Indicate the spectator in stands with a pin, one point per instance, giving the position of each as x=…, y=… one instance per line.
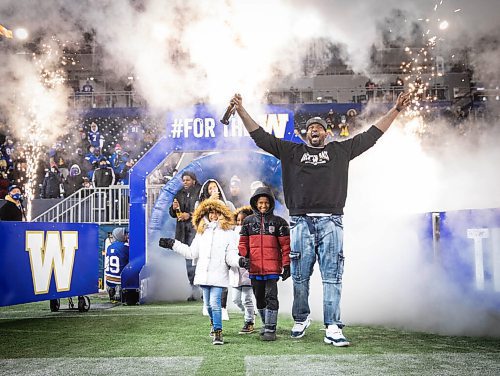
x=182, y=209
x=94, y=167
x=87, y=87
x=352, y=118
x=333, y=117
x=344, y=126
x=118, y=160
x=128, y=89
x=133, y=138
x=4, y=183
x=83, y=138
x=3, y=162
x=135, y=131
x=13, y=209
x=18, y=174
x=370, y=89
x=316, y=213
x=117, y=257
x=87, y=183
x=235, y=194
x=87, y=93
x=74, y=181
x=52, y=182
x=95, y=138
x=93, y=156
x=330, y=130
x=104, y=176
x=58, y=158
x=8, y=152
x=124, y=176
x=215, y=249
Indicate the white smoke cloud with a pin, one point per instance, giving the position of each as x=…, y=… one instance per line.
x=184, y=51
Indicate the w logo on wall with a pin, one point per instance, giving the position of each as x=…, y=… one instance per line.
x=51, y=253
x=43, y=261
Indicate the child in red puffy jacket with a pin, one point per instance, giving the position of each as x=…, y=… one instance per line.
x=265, y=245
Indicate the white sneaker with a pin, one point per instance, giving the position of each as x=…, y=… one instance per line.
x=225, y=315
x=335, y=337
x=299, y=328
x=204, y=310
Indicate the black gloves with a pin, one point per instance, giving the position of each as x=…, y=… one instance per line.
x=166, y=242
x=286, y=273
x=244, y=262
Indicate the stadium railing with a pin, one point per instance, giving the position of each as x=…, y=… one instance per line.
x=108, y=205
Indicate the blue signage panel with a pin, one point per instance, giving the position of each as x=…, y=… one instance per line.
x=200, y=129
x=42, y=261
x=470, y=248
x=469, y=252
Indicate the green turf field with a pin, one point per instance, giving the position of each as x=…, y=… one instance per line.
x=173, y=339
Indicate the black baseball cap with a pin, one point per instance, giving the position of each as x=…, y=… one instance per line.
x=316, y=120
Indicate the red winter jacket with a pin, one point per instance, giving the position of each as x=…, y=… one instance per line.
x=265, y=238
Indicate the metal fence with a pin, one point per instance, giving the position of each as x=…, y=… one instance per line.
x=108, y=205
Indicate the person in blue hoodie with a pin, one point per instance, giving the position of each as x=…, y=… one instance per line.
x=117, y=256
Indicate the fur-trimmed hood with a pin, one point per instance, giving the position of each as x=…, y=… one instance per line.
x=247, y=209
x=200, y=215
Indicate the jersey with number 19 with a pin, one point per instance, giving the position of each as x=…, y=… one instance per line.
x=116, y=260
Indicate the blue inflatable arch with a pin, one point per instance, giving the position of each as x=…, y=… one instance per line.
x=235, y=153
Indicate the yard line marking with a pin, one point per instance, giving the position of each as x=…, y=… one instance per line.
x=178, y=366
x=446, y=364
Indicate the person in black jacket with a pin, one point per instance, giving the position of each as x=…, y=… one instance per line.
x=13, y=209
x=104, y=176
x=316, y=209
x=74, y=181
x=51, y=186
x=182, y=208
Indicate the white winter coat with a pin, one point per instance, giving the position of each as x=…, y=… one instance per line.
x=216, y=250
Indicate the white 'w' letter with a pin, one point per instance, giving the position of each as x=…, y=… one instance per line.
x=55, y=251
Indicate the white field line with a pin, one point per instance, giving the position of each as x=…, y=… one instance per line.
x=178, y=366
x=443, y=364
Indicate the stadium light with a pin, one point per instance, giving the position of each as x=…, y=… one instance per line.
x=21, y=33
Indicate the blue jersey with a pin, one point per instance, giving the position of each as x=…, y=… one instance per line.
x=96, y=139
x=116, y=260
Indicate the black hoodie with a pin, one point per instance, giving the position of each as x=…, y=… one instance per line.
x=315, y=179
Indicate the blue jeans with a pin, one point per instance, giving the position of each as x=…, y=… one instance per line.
x=212, y=300
x=318, y=238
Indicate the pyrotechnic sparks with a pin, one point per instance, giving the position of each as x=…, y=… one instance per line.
x=420, y=69
x=39, y=111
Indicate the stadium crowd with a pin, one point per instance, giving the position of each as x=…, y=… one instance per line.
x=94, y=152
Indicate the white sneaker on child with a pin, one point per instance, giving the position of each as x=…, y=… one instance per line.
x=225, y=315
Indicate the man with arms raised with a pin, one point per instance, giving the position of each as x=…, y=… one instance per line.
x=316, y=210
